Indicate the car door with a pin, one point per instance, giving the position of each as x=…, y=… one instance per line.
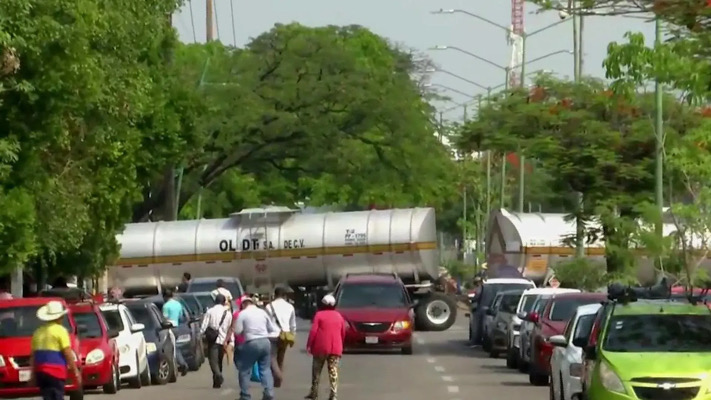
x=560, y=359
x=167, y=345
x=137, y=338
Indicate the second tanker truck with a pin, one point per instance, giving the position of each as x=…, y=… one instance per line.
x=265, y=247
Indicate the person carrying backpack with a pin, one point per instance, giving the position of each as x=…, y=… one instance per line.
x=215, y=324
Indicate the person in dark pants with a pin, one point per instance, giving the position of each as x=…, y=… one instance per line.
x=52, y=358
x=215, y=324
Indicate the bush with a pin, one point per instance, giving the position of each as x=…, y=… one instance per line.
x=581, y=273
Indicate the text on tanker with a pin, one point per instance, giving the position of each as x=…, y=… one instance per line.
x=257, y=244
x=352, y=238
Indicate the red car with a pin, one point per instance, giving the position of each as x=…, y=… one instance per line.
x=18, y=321
x=97, y=348
x=378, y=312
x=559, y=309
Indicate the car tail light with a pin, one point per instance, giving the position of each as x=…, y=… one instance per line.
x=402, y=325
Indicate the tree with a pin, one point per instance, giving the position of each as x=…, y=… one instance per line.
x=341, y=93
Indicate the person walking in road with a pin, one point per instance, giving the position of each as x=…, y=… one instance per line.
x=325, y=344
x=215, y=325
x=220, y=289
x=284, y=317
x=256, y=327
x=172, y=310
x=52, y=357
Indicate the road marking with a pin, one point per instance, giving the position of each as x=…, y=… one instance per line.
x=226, y=392
x=420, y=340
x=447, y=378
x=431, y=360
x=439, y=368
x=453, y=389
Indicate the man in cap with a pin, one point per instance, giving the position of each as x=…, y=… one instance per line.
x=215, y=325
x=52, y=356
x=256, y=327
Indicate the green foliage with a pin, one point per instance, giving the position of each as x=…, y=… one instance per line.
x=581, y=273
x=459, y=270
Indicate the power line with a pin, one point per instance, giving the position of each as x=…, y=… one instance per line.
x=232, y=14
x=192, y=20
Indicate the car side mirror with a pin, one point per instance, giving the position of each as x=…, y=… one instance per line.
x=580, y=342
x=590, y=352
x=522, y=315
x=533, y=317
x=137, y=328
x=166, y=324
x=558, y=341
x=112, y=333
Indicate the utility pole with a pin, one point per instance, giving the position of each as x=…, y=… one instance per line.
x=659, y=136
x=502, y=194
x=209, y=15
x=521, y=156
x=577, y=55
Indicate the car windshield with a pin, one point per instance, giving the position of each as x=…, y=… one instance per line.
x=22, y=321
x=142, y=316
x=209, y=286
x=584, y=326
x=528, y=302
x=193, y=304
x=492, y=289
x=659, y=333
x=380, y=295
x=88, y=325
x=563, y=309
x=113, y=319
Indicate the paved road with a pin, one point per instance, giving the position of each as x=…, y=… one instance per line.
x=442, y=368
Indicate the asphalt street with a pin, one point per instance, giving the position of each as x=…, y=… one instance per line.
x=443, y=367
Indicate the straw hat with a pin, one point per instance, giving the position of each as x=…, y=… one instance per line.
x=51, y=311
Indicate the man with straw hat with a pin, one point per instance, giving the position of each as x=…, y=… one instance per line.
x=52, y=356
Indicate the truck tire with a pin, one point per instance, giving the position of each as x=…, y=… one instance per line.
x=435, y=312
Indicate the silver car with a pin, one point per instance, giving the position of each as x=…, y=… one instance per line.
x=489, y=317
x=524, y=355
x=506, y=312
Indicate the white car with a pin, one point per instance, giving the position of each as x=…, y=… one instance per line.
x=133, y=351
x=518, y=356
x=566, y=361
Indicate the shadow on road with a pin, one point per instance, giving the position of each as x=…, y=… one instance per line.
x=500, y=369
x=453, y=347
x=515, y=384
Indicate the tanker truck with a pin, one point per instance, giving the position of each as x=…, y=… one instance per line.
x=265, y=247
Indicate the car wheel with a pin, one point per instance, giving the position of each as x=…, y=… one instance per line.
x=536, y=379
x=136, y=382
x=76, y=395
x=193, y=364
x=407, y=350
x=486, y=343
x=512, y=359
x=112, y=386
x=173, y=374
x=146, y=376
x=162, y=376
x=493, y=353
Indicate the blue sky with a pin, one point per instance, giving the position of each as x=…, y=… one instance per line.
x=410, y=23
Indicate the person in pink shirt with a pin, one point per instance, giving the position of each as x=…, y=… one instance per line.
x=325, y=344
x=236, y=339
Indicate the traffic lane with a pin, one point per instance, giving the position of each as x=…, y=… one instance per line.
x=469, y=371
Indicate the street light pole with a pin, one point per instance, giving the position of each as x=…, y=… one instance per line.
x=521, y=156
x=659, y=136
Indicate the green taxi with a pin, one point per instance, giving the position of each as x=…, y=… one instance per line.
x=649, y=350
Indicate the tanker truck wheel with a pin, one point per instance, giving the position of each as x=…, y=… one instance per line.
x=435, y=312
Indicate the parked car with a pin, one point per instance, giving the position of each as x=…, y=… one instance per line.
x=133, y=360
x=488, y=324
x=525, y=305
x=208, y=284
x=566, y=361
x=485, y=299
x=648, y=349
x=378, y=312
x=505, y=312
x=205, y=299
x=187, y=334
x=98, y=348
x=18, y=322
x=524, y=355
x=160, y=344
x=559, y=309
x=194, y=305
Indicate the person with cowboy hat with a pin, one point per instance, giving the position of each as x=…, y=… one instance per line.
x=52, y=356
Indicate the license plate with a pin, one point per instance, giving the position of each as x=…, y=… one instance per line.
x=371, y=339
x=24, y=375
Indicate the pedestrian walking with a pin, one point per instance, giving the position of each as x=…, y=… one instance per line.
x=325, y=344
x=52, y=361
x=214, y=329
x=220, y=289
x=256, y=326
x=234, y=340
x=172, y=310
x=284, y=317
x=185, y=282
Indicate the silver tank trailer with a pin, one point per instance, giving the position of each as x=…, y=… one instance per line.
x=276, y=245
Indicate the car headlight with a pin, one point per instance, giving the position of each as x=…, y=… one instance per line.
x=151, y=347
x=2, y=362
x=609, y=379
x=95, y=356
x=124, y=349
x=576, y=370
x=401, y=325
x=183, y=339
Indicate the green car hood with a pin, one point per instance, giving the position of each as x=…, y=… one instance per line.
x=634, y=365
